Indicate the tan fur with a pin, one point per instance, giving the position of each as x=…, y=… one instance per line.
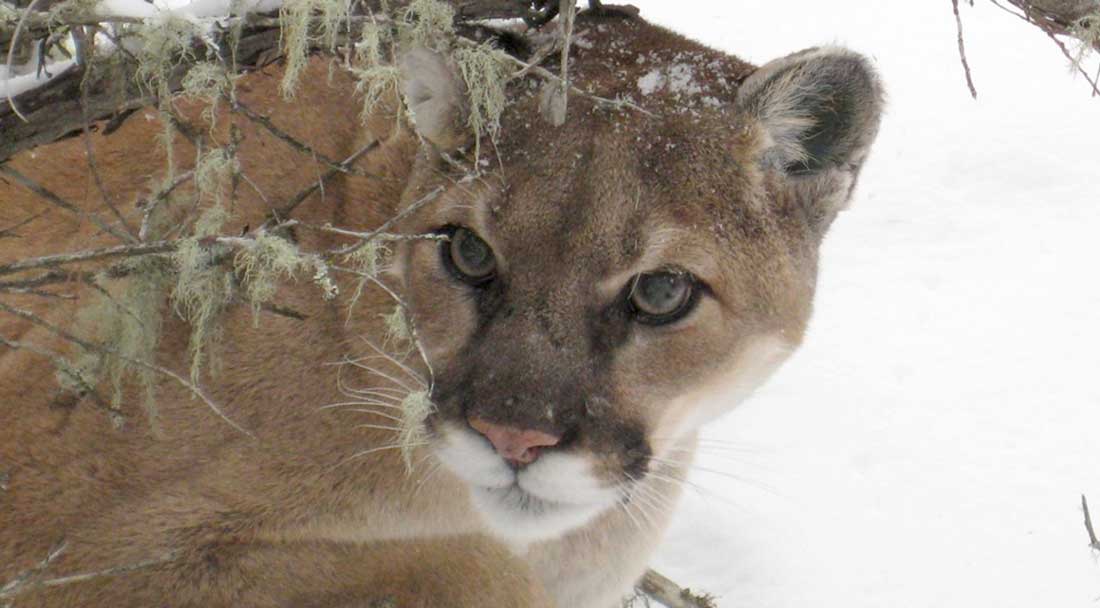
x=292, y=516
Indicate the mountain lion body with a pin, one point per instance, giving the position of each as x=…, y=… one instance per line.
x=593, y=288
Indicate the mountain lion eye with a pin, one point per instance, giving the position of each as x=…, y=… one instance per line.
x=468, y=257
x=662, y=297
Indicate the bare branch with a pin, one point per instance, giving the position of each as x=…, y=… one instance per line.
x=9, y=232
x=1093, y=542
x=413, y=208
x=300, y=146
x=61, y=259
x=664, y=590
x=88, y=345
x=962, y=50
x=27, y=581
x=57, y=201
x=299, y=198
x=64, y=367
x=87, y=49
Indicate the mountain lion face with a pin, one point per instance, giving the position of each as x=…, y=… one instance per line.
x=609, y=285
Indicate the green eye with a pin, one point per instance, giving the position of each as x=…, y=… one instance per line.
x=469, y=257
x=662, y=297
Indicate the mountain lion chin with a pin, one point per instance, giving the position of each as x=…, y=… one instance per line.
x=519, y=517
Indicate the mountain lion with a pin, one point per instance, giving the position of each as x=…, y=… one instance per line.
x=582, y=299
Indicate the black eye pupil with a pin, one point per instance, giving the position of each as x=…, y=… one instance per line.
x=473, y=251
x=661, y=292
x=468, y=257
x=661, y=297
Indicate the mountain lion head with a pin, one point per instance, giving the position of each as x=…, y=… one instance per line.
x=603, y=281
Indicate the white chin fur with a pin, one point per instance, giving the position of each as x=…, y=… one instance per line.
x=555, y=494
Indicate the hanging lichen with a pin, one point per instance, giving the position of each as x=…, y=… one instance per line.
x=415, y=409
x=1087, y=32
x=261, y=264
x=161, y=47
x=367, y=261
x=486, y=71
x=207, y=82
x=294, y=18
x=297, y=37
x=427, y=23
x=126, y=322
x=204, y=288
x=397, y=327
x=213, y=173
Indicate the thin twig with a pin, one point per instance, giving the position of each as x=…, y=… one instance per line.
x=614, y=104
x=10, y=230
x=413, y=208
x=373, y=234
x=664, y=590
x=567, y=11
x=962, y=50
x=64, y=367
x=11, y=56
x=149, y=206
x=30, y=584
x=87, y=345
x=87, y=49
x=299, y=198
x=61, y=259
x=1093, y=542
x=298, y=145
x=57, y=201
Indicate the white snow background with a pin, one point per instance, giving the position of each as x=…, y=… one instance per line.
x=928, y=445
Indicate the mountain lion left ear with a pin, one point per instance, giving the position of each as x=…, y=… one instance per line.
x=819, y=111
x=435, y=95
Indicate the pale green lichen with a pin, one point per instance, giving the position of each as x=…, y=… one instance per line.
x=207, y=82
x=262, y=263
x=367, y=261
x=397, y=327
x=375, y=84
x=1087, y=32
x=127, y=323
x=415, y=409
x=427, y=23
x=294, y=18
x=203, y=290
x=161, y=47
x=486, y=71
x=213, y=173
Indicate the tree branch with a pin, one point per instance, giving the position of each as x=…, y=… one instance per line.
x=962, y=49
x=662, y=589
x=92, y=346
x=1093, y=542
x=57, y=201
x=28, y=581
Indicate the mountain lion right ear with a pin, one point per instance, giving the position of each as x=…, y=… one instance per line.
x=435, y=95
x=819, y=112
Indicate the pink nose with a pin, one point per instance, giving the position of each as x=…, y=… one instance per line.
x=518, y=446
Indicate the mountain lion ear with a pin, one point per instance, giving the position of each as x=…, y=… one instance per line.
x=819, y=112
x=435, y=95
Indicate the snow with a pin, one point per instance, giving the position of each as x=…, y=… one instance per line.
x=928, y=445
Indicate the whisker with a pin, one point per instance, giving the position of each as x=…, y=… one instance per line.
x=392, y=446
x=380, y=427
x=408, y=370
x=382, y=374
x=377, y=413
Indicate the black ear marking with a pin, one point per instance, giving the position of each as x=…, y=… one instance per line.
x=819, y=109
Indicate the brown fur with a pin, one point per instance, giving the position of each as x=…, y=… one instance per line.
x=290, y=518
